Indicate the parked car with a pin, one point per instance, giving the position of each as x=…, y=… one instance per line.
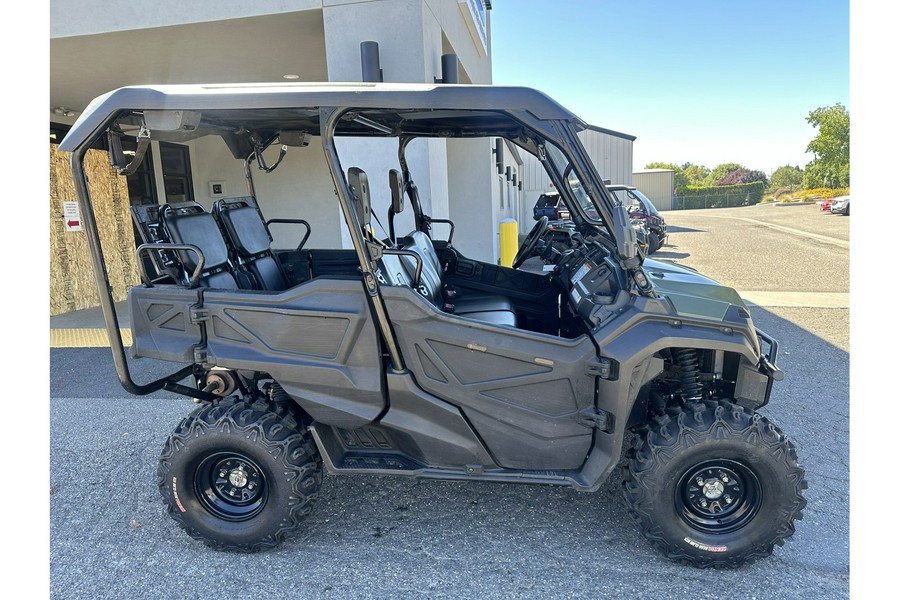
x=840, y=205
x=641, y=208
x=551, y=206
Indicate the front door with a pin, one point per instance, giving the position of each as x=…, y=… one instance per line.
x=522, y=391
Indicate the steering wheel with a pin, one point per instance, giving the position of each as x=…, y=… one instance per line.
x=531, y=240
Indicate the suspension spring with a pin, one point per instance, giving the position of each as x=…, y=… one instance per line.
x=689, y=362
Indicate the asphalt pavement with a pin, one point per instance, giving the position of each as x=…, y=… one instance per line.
x=376, y=537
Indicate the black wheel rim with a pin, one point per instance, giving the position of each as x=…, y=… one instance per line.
x=718, y=496
x=231, y=486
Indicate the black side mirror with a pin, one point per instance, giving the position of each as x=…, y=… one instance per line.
x=626, y=237
x=396, y=182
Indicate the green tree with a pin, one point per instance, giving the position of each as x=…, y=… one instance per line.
x=743, y=176
x=786, y=177
x=695, y=174
x=720, y=172
x=831, y=148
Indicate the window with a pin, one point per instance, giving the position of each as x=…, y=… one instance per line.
x=176, y=170
x=141, y=183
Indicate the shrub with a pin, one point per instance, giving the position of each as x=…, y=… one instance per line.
x=743, y=176
x=822, y=193
x=723, y=196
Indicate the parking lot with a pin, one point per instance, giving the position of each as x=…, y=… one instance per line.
x=373, y=537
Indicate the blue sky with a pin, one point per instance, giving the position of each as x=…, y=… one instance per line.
x=705, y=82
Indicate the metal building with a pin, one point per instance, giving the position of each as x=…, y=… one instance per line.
x=658, y=185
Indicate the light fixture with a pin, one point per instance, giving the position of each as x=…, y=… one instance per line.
x=291, y=76
x=63, y=111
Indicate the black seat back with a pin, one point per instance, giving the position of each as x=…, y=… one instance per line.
x=188, y=223
x=246, y=231
x=430, y=285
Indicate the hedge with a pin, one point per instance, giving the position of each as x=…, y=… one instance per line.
x=721, y=196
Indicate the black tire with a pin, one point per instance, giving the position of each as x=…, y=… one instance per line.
x=654, y=243
x=752, y=490
x=240, y=475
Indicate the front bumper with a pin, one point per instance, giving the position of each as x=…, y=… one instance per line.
x=767, y=359
x=753, y=387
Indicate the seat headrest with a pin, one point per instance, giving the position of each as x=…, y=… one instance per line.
x=246, y=230
x=359, y=188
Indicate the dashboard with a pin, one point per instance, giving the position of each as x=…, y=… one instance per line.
x=594, y=282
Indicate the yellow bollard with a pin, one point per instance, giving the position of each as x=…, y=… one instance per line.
x=509, y=241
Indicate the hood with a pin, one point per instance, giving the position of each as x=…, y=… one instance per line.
x=691, y=294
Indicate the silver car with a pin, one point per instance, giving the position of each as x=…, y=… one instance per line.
x=840, y=205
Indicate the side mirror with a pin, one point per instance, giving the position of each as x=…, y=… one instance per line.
x=626, y=236
x=396, y=182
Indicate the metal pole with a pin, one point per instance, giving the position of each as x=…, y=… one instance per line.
x=371, y=63
x=449, y=68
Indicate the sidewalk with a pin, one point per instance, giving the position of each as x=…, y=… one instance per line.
x=87, y=329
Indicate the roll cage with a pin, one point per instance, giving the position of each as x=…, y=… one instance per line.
x=249, y=119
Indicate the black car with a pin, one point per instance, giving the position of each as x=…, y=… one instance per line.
x=641, y=208
x=549, y=205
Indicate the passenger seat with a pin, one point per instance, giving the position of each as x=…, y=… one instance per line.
x=246, y=232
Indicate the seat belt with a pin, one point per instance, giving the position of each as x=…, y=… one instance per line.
x=115, y=150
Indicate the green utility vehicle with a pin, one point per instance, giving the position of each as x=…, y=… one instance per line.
x=400, y=354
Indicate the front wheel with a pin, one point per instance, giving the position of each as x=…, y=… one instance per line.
x=240, y=475
x=655, y=242
x=714, y=485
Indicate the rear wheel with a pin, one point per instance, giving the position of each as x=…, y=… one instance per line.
x=714, y=485
x=240, y=475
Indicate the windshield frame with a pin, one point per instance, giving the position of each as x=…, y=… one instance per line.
x=572, y=158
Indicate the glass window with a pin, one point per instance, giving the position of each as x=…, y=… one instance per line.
x=176, y=168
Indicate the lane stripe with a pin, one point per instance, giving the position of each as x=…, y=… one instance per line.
x=797, y=299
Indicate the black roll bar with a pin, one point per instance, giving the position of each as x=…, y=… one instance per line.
x=107, y=306
x=295, y=222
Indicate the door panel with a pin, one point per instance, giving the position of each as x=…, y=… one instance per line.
x=522, y=391
x=317, y=340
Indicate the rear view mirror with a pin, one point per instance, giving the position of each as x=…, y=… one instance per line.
x=396, y=182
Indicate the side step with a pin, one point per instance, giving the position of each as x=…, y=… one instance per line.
x=368, y=451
